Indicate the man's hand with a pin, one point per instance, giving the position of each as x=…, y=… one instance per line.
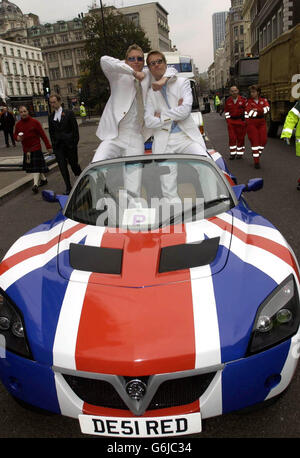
x=157, y=114
x=287, y=141
x=180, y=102
x=49, y=150
x=139, y=75
x=158, y=85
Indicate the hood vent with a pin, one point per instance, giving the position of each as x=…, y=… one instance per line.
x=186, y=256
x=96, y=259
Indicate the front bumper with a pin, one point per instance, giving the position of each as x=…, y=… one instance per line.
x=234, y=386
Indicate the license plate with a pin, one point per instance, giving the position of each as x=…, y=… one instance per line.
x=141, y=427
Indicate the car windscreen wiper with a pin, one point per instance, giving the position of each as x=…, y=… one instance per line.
x=218, y=200
x=193, y=210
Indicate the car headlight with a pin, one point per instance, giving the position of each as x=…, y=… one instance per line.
x=277, y=318
x=12, y=328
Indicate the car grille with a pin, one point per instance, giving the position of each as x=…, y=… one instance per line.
x=171, y=393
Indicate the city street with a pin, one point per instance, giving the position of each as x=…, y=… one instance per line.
x=279, y=202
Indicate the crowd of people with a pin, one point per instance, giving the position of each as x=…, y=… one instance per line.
x=152, y=101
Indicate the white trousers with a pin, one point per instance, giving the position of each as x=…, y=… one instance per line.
x=128, y=143
x=178, y=143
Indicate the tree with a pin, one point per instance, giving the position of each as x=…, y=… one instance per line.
x=114, y=40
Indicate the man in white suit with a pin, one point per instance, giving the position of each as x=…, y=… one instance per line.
x=168, y=114
x=121, y=128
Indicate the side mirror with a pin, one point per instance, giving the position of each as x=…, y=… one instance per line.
x=255, y=184
x=50, y=196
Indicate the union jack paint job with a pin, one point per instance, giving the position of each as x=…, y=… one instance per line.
x=141, y=323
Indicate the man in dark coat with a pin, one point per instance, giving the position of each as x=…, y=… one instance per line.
x=7, y=124
x=64, y=134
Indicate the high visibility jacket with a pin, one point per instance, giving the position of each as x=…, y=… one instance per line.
x=292, y=121
x=82, y=111
x=217, y=100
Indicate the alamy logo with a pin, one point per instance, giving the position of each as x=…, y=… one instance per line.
x=296, y=87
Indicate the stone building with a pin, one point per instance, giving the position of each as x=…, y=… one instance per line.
x=62, y=43
x=268, y=20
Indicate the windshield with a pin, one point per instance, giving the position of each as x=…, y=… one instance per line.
x=149, y=194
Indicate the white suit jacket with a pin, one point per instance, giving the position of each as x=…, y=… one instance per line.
x=123, y=92
x=177, y=88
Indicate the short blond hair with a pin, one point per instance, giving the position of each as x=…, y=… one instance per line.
x=133, y=47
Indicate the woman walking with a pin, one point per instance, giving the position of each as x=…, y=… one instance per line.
x=30, y=132
x=256, y=109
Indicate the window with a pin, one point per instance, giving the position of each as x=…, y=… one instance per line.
x=279, y=22
x=52, y=57
x=21, y=70
x=29, y=70
x=274, y=28
x=54, y=73
x=80, y=52
x=4, y=51
x=18, y=87
x=19, y=52
x=70, y=88
x=25, y=90
x=11, y=87
x=67, y=54
x=7, y=68
x=64, y=38
x=68, y=71
x=15, y=68
x=12, y=51
x=50, y=41
x=269, y=33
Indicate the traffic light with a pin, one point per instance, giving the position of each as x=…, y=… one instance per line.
x=46, y=86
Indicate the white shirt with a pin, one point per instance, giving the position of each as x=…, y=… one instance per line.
x=57, y=115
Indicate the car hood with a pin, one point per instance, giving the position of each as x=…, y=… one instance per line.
x=140, y=259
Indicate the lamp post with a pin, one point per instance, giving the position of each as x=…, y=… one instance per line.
x=103, y=23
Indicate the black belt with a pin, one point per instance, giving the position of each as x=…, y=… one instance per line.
x=237, y=117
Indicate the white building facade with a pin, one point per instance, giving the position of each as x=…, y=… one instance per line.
x=24, y=69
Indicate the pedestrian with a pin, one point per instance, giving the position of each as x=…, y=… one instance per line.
x=7, y=123
x=235, y=107
x=168, y=113
x=82, y=111
x=256, y=109
x=30, y=132
x=217, y=103
x=292, y=122
x=64, y=134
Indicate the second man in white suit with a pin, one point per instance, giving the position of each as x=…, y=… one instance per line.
x=168, y=114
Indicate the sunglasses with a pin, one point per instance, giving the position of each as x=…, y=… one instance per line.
x=134, y=59
x=154, y=62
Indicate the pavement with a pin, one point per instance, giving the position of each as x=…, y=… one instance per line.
x=12, y=178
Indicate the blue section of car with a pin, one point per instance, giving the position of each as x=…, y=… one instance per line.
x=239, y=290
x=29, y=381
x=248, y=381
x=39, y=295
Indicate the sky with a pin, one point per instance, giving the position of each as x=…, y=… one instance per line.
x=190, y=21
